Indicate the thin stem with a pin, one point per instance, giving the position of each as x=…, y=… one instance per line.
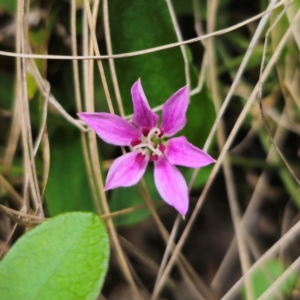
x=223, y=153
x=146, y=51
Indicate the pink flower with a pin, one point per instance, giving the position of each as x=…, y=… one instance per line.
x=148, y=143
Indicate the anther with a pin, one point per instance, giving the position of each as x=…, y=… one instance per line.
x=153, y=157
x=161, y=133
x=162, y=147
x=135, y=142
x=145, y=131
x=139, y=158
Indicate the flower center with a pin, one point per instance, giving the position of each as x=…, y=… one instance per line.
x=151, y=143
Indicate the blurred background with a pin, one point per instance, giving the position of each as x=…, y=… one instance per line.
x=239, y=207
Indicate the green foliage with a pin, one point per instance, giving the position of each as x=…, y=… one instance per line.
x=183, y=7
x=9, y=6
x=63, y=258
x=68, y=187
x=263, y=278
x=137, y=25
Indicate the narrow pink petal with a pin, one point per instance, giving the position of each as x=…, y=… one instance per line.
x=111, y=128
x=171, y=185
x=143, y=116
x=126, y=170
x=173, y=112
x=182, y=153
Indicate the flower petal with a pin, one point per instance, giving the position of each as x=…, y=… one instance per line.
x=171, y=185
x=143, y=116
x=126, y=170
x=112, y=128
x=173, y=112
x=182, y=153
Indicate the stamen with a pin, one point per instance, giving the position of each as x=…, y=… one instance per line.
x=135, y=142
x=151, y=133
x=161, y=133
x=155, y=150
x=139, y=158
x=145, y=131
x=162, y=147
x=153, y=157
x=141, y=145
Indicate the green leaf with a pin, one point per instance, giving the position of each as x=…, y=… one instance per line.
x=137, y=25
x=263, y=278
x=162, y=73
x=63, y=258
x=68, y=187
x=183, y=7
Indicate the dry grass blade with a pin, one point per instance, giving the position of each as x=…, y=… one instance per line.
x=97, y=51
x=146, y=51
x=21, y=218
x=180, y=39
x=247, y=222
x=14, y=196
x=285, y=241
x=276, y=286
x=235, y=82
x=46, y=160
x=44, y=87
x=263, y=179
x=259, y=95
x=111, y=61
x=228, y=174
x=123, y=262
x=79, y=107
x=75, y=62
x=44, y=120
x=165, y=257
x=223, y=153
x=143, y=258
x=190, y=276
x=30, y=169
x=14, y=134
